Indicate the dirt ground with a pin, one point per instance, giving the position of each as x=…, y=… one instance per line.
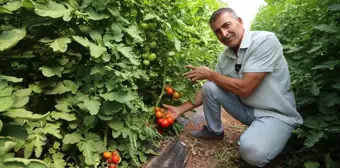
x=219, y=154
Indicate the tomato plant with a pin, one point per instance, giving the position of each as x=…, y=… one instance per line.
x=88, y=84
x=311, y=48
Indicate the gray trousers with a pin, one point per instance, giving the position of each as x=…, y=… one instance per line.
x=265, y=137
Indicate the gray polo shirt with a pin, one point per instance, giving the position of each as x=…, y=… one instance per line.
x=261, y=51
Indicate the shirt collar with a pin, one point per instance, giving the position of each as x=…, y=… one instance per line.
x=246, y=39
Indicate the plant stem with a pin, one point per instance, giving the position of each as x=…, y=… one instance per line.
x=163, y=85
x=105, y=135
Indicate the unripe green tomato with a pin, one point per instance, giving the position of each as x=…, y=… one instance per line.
x=152, y=57
x=146, y=62
x=153, y=44
x=144, y=26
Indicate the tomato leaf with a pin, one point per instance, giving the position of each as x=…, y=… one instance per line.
x=93, y=106
x=60, y=44
x=10, y=38
x=6, y=103
x=127, y=52
x=72, y=138
x=134, y=32
x=121, y=96
x=63, y=115
x=51, y=9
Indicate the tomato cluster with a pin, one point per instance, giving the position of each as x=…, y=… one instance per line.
x=149, y=55
x=163, y=117
x=112, y=158
x=172, y=92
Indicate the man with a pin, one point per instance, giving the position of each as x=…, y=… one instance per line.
x=252, y=83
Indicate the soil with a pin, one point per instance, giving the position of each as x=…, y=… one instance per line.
x=218, y=154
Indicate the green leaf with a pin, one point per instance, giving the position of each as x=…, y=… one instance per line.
x=117, y=33
x=330, y=99
x=116, y=124
x=314, y=89
x=10, y=38
x=96, y=50
x=6, y=103
x=6, y=144
x=6, y=92
x=134, y=32
x=24, y=163
x=95, y=35
x=63, y=115
x=73, y=138
x=336, y=86
x=81, y=40
x=334, y=7
x=28, y=149
x=328, y=161
x=177, y=44
x=20, y=101
x=60, y=44
x=327, y=65
x=312, y=138
x=149, y=16
x=73, y=87
x=10, y=79
x=51, y=9
x=311, y=164
x=49, y=72
x=23, y=92
x=120, y=96
x=1, y=125
x=52, y=129
x=116, y=134
x=88, y=148
x=109, y=108
x=92, y=105
x=330, y=28
x=89, y=121
x=36, y=88
x=92, y=15
x=60, y=88
x=58, y=161
x=24, y=114
x=127, y=52
x=13, y=5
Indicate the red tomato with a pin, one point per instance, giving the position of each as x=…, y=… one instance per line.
x=115, y=159
x=169, y=91
x=107, y=155
x=159, y=131
x=164, y=123
x=160, y=121
x=170, y=120
x=113, y=166
x=159, y=114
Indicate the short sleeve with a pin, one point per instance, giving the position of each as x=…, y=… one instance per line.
x=218, y=68
x=264, y=55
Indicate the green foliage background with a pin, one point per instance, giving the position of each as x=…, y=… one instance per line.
x=73, y=83
x=310, y=34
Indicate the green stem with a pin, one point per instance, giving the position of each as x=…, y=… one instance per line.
x=105, y=135
x=163, y=85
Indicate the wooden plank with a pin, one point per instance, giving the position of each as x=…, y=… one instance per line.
x=175, y=154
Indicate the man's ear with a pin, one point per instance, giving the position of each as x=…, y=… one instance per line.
x=239, y=19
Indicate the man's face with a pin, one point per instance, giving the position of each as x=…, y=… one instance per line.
x=228, y=30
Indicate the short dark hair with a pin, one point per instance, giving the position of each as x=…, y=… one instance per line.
x=221, y=11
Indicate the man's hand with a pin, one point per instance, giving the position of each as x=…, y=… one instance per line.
x=198, y=73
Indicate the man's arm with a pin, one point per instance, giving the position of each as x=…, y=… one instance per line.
x=241, y=87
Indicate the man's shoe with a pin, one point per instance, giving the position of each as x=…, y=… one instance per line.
x=206, y=134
